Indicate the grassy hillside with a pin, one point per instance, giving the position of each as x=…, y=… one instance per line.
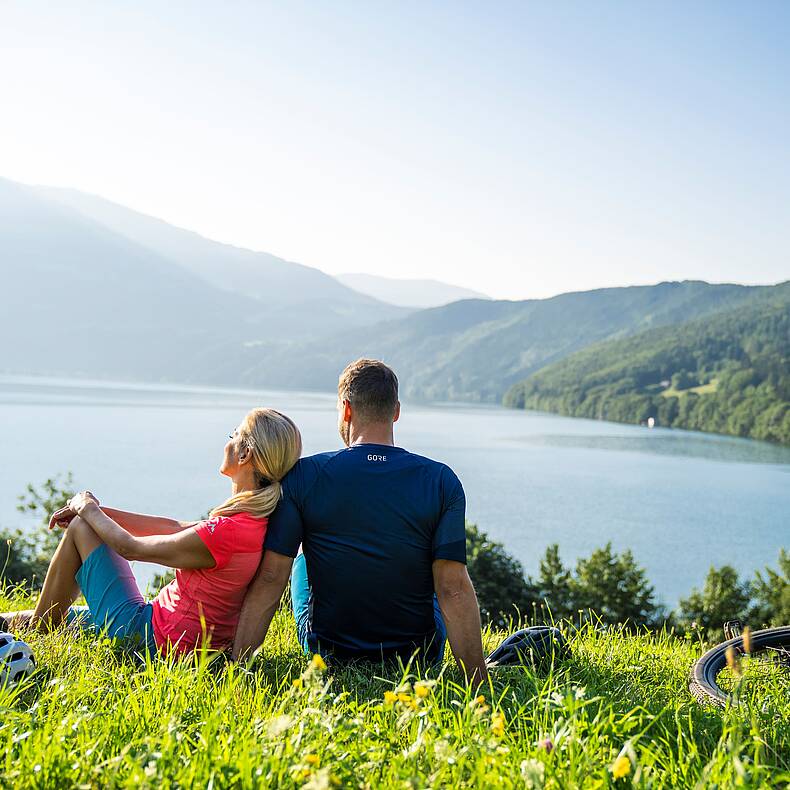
x=619, y=707
x=475, y=350
x=729, y=373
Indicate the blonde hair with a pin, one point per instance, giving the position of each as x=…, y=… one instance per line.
x=275, y=444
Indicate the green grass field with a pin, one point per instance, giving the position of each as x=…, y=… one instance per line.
x=702, y=389
x=616, y=714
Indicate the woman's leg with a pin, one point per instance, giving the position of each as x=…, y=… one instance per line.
x=60, y=588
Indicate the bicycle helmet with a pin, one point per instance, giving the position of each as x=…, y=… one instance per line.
x=16, y=660
x=534, y=645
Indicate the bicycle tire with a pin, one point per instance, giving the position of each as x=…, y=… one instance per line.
x=705, y=671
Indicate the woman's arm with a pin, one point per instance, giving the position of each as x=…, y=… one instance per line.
x=134, y=523
x=183, y=549
x=139, y=524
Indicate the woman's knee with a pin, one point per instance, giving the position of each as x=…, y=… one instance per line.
x=83, y=535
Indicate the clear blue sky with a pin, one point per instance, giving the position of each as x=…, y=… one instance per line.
x=521, y=149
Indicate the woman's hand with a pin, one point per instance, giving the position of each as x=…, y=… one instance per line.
x=63, y=517
x=81, y=501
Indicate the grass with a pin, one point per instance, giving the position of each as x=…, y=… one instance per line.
x=702, y=389
x=93, y=716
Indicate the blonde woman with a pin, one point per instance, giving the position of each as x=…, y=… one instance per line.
x=215, y=559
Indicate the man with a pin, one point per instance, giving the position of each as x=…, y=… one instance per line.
x=382, y=530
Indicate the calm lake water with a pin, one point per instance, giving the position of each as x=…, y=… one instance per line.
x=681, y=501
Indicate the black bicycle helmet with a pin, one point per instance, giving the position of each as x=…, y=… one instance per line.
x=536, y=645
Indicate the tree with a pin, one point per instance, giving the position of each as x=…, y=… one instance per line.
x=503, y=592
x=29, y=551
x=771, y=595
x=682, y=380
x=723, y=597
x=553, y=585
x=615, y=588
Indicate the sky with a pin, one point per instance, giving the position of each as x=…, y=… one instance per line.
x=519, y=149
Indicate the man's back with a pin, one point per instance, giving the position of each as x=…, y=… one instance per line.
x=372, y=519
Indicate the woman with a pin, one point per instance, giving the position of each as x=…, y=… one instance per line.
x=215, y=559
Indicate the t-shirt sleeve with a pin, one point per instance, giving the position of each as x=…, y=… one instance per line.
x=218, y=534
x=449, y=539
x=284, y=534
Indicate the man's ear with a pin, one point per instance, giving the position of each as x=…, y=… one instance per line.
x=346, y=411
x=397, y=412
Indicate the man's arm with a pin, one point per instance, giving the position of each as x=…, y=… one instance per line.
x=260, y=603
x=461, y=614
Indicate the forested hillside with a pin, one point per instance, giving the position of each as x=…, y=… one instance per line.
x=729, y=373
x=476, y=350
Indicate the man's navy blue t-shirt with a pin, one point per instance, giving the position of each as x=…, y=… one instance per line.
x=371, y=519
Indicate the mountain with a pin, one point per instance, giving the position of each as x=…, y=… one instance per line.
x=475, y=350
x=81, y=297
x=94, y=289
x=408, y=293
x=728, y=373
x=300, y=300
x=81, y=300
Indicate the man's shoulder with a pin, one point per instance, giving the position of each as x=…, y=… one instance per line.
x=317, y=460
x=432, y=466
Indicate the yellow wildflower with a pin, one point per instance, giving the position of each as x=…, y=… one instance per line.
x=390, y=697
x=312, y=759
x=318, y=663
x=480, y=699
x=403, y=697
x=297, y=683
x=498, y=725
x=621, y=767
x=421, y=690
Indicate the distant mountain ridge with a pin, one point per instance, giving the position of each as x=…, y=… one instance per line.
x=303, y=299
x=96, y=290
x=408, y=293
x=111, y=293
x=475, y=350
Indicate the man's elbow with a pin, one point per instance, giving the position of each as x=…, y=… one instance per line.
x=454, y=591
x=270, y=581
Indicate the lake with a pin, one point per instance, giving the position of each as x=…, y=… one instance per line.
x=680, y=501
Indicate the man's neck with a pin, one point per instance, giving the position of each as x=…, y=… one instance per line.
x=372, y=434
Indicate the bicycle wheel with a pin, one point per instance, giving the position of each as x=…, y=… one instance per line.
x=712, y=681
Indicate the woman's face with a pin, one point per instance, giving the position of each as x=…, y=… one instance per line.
x=230, y=460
